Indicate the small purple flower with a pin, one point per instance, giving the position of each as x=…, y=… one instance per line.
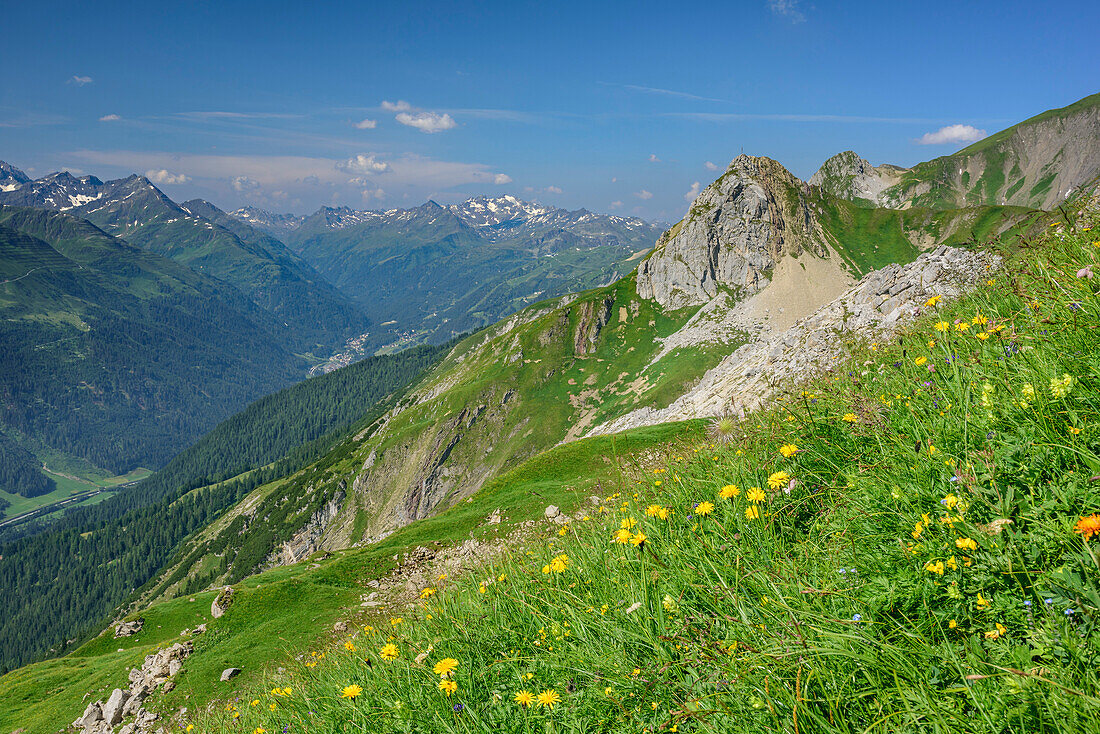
x=1049, y=601
x=842, y=572
x=458, y=708
x=1069, y=612
x=1027, y=603
x=857, y=617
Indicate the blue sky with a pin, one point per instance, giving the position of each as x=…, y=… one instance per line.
x=617, y=107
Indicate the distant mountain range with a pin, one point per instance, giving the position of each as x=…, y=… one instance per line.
x=435, y=271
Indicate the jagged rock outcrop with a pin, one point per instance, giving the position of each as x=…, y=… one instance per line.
x=878, y=304
x=156, y=671
x=738, y=228
x=127, y=629
x=848, y=176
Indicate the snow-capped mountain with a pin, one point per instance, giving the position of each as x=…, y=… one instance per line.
x=61, y=191
x=11, y=177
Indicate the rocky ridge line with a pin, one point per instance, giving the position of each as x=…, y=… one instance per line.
x=874, y=308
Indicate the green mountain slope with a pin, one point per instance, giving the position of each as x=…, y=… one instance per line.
x=119, y=356
x=1037, y=164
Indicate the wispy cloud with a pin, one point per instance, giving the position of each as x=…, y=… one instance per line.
x=692, y=192
x=787, y=9
x=664, y=92
x=653, y=158
x=502, y=178
x=162, y=176
x=952, y=134
x=110, y=118
x=553, y=190
x=367, y=124
x=79, y=81
x=736, y=116
x=644, y=195
x=710, y=166
x=228, y=115
x=616, y=205
x=427, y=122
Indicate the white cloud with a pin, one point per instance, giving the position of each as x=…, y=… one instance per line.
x=692, y=192
x=376, y=194
x=952, y=134
x=363, y=163
x=643, y=194
x=614, y=179
x=502, y=178
x=244, y=183
x=787, y=9
x=80, y=81
x=427, y=122
x=710, y=166
x=367, y=124
x=110, y=118
x=616, y=205
x=162, y=176
x=653, y=158
x=398, y=106
x=553, y=190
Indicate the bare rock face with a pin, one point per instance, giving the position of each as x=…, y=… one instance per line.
x=848, y=176
x=876, y=306
x=736, y=231
x=230, y=674
x=222, y=602
x=112, y=710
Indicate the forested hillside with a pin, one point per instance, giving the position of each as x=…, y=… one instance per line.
x=117, y=546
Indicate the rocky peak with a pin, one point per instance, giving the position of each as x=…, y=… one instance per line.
x=848, y=176
x=736, y=231
x=11, y=177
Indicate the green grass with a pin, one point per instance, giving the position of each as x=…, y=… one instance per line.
x=921, y=573
x=282, y=613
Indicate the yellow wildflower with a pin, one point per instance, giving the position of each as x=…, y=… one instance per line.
x=788, y=450
x=778, y=479
x=1088, y=526
x=653, y=510
x=524, y=698
x=849, y=418
x=628, y=523
x=351, y=692
x=981, y=602
x=445, y=667
x=920, y=361
x=426, y=593
x=447, y=686
x=729, y=491
x=389, y=651
x=933, y=301
x=966, y=544
x=942, y=326
x=934, y=567
x=752, y=512
x=638, y=538
x=705, y=508
x=755, y=495
x=349, y=646
x=548, y=698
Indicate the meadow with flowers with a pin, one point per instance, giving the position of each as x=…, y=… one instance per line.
x=909, y=543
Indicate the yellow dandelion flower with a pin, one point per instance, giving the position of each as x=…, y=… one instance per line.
x=559, y=563
x=849, y=418
x=389, y=651
x=524, y=698
x=704, y=508
x=778, y=479
x=942, y=326
x=628, y=523
x=548, y=698
x=447, y=686
x=962, y=326
x=755, y=495
x=652, y=510
x=729, y=491
x=426, y=593
x=638, y=538
x=445, y=667
x=622, y=535
x=788, y=450
x=982, y=335
x=920, y=361
x=349, y=646
x=351, y=692
x=752, y=512
x=933, y=301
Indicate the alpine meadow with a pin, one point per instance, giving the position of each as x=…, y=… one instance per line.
x=368, y=369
